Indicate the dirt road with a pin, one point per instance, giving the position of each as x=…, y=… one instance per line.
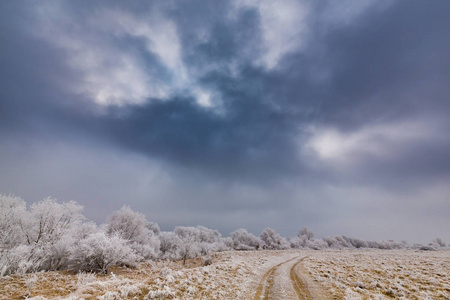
x=277, y=276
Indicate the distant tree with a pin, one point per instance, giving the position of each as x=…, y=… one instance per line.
x=169, y=244
x=305, y=232
x=336, y=242
x=188, y=248
x=199, y=234
x=203, y=240
x=136, y=230
x=298, y=242
x=153, y=227
x=241, y=239
x=439, y=242
x=316, y=244
x=273, y=240
x=197, y=241
x=128, y=224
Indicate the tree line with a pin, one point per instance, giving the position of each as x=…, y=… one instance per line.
x=48, y=235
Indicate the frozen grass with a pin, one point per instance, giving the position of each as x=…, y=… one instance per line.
x=231, y=275
x=378, y=274
x=345, y=274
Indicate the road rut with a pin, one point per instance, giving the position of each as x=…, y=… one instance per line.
x=265, y=287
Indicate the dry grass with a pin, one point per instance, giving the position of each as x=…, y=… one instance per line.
x=370, y=274
x=378, y=274
x=232, y=275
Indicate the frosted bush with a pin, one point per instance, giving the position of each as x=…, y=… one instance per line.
x=48, y=220
x=169, y=243
x=56, y=255
x=98, y=252
x=83, y=230
x=316, y=244
x=38, y=237
x=199, y=234
x=273, y=240
x=21, y=260
x=136, y=230
x=188, y=248
x=11, y=211
x=305, y=232
x=298, y=242
x=437, y=244
x=198, y=241
x=241, y=239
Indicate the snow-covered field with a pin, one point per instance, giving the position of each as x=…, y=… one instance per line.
x=339, y=274
x=381, y=274
x=231, y=275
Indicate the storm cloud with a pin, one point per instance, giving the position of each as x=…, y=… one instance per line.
x=233, y=113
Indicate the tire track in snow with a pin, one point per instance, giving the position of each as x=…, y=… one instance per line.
x=300, y=287
x=266, y=284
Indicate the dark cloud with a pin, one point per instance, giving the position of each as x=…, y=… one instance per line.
x=388, y=64
x=361, y=99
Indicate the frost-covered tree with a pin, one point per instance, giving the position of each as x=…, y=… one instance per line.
x=305, y=232
x=98, y=251
x=128, y=224
x=47, y=221
x=134, y=228
x=19, y=260
x=241, y=239
x=205, y=239
x=298, y=242
x=42, y=234
x=316, y=244
x=273, y=240
x=200, y=234
x=12, y=210
x=196, y=241
x=169, y=244
x=387, y=245
x=439, y=243
x=188, y=248
x=190, y=242
x=153, y=227
x=336, y=242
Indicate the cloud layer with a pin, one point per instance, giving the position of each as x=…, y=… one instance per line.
x=233, y=113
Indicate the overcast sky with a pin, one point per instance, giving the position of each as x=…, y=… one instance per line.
x=329, y=114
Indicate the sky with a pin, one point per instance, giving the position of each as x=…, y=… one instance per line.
x=328, y=114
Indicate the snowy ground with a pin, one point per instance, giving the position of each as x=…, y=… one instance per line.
x=346, y=274
x=232, y=275
x=381, y=274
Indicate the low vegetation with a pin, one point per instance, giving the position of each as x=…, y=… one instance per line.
x=377, y=274
x=53, y=236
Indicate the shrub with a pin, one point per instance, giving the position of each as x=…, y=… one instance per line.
x=98, y=251
x=12, y=210
x=305, y=232
x=136, y=230
x=241, y=239
x=273, y=240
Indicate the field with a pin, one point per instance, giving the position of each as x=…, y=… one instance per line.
x=382, y=274
x=299, y=274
